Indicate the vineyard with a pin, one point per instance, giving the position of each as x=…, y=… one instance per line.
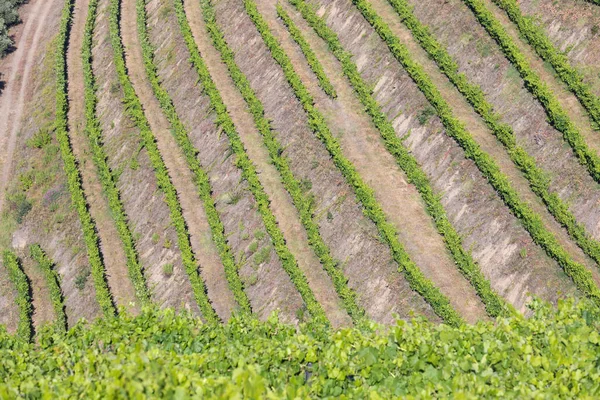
x=388, y=197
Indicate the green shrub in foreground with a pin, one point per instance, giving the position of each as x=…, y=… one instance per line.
x=23, y=298
x=553, y=354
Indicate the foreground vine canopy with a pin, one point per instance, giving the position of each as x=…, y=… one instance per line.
x=160, y=354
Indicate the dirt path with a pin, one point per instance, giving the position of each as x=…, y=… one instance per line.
x=110, y=244
x=400, y=200
x=206, y=253
x=477, y=128
x=281, y=203
x=570, y=104
x=13, y=96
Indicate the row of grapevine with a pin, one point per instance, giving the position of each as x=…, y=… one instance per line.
x=201, y=178
x=53, y=282
x=311, y=58
x=90, y=235
x=538, y=181
x=542, y=45
x=23, y=299
x=432, y=295
x=488, y=167
x=134, y=110
x=494, y=304
x=291, y=184
x=93, y=130
x=557, y=116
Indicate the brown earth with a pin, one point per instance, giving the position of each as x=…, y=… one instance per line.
x=281, y=203
x=352, y=238
x=482, y=61
x=265, y=282
x=210, y=265
x=400, y=200
x=144, y=203
x=111, y=246
x=505, y=252
x=573, y=27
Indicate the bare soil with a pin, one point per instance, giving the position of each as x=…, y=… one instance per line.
x=267, y=285
x=144, y=203
x=572, y=25
x=505, y=252
x=281, y=203
x=111, y=246
x=352, y=238
x=482, y=61
x=400, y=200
x=210, y=265
x=20, y=64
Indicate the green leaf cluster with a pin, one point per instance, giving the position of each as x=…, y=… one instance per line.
x=494, y=304
x=371, y=208
x=133, y=108
x=454, y=128
x=93, y=130
x=201, y=179
x=310, y=55
x=158, y=354
x=53, y=283
x=23, y=299
x=538, y=181
x=71, y=169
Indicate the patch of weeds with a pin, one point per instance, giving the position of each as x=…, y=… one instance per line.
x=252, y=279
x=155, y=238
x=523, y=253
x=484, y=49
x=114, y=87
x=167, y=244
x=253, y=247
x=234, y=197
x=60, y=218
x=167, y=269
x=300, y=313
x=425, y=114
x=305, y=185
x=262, y=256
x=165, y=11
x=513, y=74
x=19, y=205
x=134, y=164
x=329, y=216
x=40, y=139
x=259, y=235
x=81, y=279
x=26, y=181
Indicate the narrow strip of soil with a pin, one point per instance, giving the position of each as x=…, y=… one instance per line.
x=211, y=267
x=111, y=246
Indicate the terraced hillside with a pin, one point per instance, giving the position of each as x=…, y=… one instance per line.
x=335, y=161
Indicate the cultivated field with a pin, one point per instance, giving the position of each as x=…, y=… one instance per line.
x=336, y=161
